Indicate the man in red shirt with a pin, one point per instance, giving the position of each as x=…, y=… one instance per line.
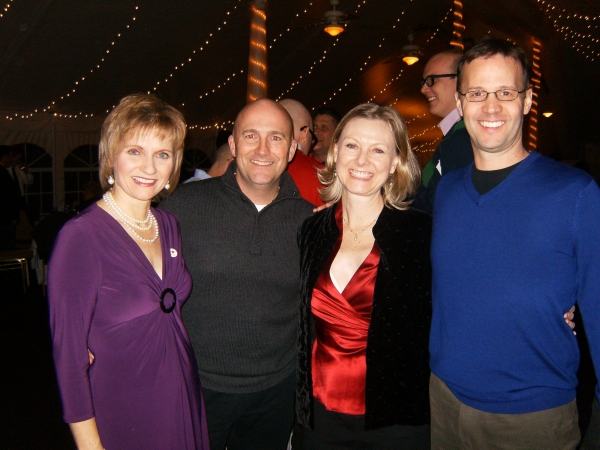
x=303, y=169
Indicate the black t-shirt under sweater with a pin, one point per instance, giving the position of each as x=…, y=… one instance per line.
x=486, y=180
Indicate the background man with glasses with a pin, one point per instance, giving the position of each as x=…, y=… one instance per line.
x=515, y=231
x=303, y=168
x=454, y=152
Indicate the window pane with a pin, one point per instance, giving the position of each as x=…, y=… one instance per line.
x=37, y=183
x=71, y=181
x=47, y=183
x=47, y=203
x=34, y=203
x=36, y=156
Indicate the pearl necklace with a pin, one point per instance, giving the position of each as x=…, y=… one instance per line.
x=110, y=201
x=129, y=221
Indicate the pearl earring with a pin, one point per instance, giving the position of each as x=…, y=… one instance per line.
x=167, y=186
x=110, y=180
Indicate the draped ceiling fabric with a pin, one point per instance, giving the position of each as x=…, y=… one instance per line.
x=93, y=53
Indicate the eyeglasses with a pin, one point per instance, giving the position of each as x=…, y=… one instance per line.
x=431, y=78
x=313, y=136
x=504, y=95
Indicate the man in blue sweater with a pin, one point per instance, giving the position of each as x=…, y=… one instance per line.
x=515, y=231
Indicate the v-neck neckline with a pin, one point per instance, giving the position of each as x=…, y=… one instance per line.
x=483, y=198
x=138, y=248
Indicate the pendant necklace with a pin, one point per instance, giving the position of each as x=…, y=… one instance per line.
x=360, y=232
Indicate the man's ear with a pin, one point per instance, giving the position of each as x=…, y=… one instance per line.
x=458, y=103
x=292, y=151
x=231, y=143
x=528, y=101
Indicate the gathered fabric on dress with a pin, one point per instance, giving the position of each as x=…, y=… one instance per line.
x=143, y=388
x=342, y=324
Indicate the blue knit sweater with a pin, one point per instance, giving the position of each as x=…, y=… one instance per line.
x=506, y=266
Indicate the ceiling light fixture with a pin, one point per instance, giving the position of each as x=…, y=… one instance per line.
x=547, y=114
x=333, y=27
x=410, y=51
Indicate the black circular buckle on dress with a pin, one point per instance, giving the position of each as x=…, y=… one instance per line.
x=162, y=300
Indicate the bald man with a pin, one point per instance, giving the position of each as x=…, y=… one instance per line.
x=239, y=241
x=303, y=168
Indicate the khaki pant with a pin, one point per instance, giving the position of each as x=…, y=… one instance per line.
x=455, y=425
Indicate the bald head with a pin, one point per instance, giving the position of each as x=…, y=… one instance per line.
x=301, y=118
x=262, y=144
x=265, y=106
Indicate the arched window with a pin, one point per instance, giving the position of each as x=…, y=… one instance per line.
x=81, y=166
x=40, y=194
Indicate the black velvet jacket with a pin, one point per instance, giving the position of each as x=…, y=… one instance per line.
x=398, y=337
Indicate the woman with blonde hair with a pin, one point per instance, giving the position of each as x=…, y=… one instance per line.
x=366, y=294
x=116, y=285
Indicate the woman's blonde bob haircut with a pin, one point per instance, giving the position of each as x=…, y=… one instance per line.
x=398, y=192
x=138, y=115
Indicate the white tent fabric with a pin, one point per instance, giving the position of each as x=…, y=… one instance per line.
x=57, y=135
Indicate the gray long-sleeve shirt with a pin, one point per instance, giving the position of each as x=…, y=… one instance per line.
x=242, y=315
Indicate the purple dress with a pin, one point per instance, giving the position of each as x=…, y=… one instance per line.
x=143, y=387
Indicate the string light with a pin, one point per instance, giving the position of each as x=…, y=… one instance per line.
x=78, y=82
x=420, y=116
x=427, y=147
x=6, y=8
x=457, y=38
x=260, y=64
x=397, y=99
x=550, y=6
x=389, y=83
x=216, y=126
x=257, y=60
x=361, y=68
x=311, y=68
x=82, y=79
x=422, y=133
x=581, y=41
x=221, y=85
x=289, y=28
x=322, y=58
x=536, y=81
x=200, y=49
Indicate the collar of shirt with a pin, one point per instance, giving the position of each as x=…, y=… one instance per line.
x=449, y=121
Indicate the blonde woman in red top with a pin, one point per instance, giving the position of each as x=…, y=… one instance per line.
x=366, y=299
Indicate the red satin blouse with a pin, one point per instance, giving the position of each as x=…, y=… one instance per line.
x=339, y=367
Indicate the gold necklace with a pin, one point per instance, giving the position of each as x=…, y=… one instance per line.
x=360, y=232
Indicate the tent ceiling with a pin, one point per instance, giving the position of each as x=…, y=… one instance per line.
x=47, y=46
